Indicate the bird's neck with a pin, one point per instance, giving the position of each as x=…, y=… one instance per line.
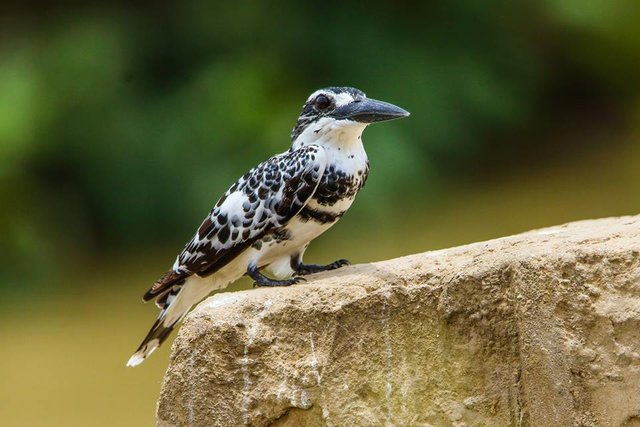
x=336, y=138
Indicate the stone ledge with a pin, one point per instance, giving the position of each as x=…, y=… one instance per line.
x=541, y=329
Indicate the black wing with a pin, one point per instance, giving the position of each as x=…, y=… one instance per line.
x=267, y=197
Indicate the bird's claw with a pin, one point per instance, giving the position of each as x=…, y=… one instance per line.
x=314, y=268
x=339, y=263
x=274, y=283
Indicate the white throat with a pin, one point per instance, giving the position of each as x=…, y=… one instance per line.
x=329, y=133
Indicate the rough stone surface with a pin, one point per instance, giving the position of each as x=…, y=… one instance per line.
x=539, y=329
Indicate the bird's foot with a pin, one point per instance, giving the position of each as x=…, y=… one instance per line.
x=262, y=280
x=304, y=269
x=272, y=282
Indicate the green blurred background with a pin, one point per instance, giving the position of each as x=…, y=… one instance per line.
x=120, y=126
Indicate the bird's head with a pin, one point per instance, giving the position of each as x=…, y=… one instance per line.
x=340, y=113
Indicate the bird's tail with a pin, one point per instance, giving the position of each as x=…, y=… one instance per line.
x=175, y=304
x=156, y=336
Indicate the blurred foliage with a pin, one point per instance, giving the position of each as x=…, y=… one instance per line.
x=120, y=125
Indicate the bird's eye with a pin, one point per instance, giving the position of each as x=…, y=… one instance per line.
x=322, y=102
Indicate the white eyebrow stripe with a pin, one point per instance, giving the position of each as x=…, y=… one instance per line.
x=341, y=99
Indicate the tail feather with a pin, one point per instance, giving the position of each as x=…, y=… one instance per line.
x=156, y=336
x=170, y=315
x=175, y=302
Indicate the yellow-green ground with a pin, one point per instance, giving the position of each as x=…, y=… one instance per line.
x=63, y=355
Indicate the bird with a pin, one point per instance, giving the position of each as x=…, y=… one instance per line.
x=265, y=221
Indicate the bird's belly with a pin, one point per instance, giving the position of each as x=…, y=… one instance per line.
x=295, y=236
x=277, y=255
x=302, y=232
x=315, y=219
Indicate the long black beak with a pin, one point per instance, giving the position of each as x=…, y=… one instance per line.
x=369, y=111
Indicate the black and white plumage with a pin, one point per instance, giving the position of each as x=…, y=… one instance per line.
x=267, y=219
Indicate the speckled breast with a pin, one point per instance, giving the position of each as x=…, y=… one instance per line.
x=336, y=185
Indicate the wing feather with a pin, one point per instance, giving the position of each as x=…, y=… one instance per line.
x=265, y=198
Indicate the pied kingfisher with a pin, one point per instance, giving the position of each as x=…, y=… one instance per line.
x=270, y=215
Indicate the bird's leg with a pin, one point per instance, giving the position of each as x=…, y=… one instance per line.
x=262, y=280
x=304, y=269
